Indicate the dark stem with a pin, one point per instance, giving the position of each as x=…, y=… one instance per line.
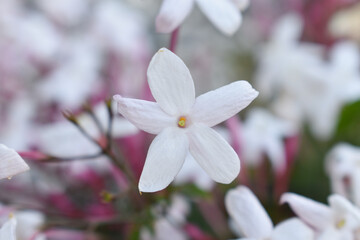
x=90, y=111
x=174, y=40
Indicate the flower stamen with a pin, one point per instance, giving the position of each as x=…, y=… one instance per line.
x=182, y=122
x=340, y=224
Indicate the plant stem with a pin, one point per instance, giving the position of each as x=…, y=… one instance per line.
x=174, y=40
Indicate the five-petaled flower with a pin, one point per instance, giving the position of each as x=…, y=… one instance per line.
x=183, y=123
x=338, y=221
x=249, y=219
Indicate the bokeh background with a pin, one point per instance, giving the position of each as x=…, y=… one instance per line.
x=73, y=55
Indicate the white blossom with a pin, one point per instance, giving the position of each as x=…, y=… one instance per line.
x=183, y=124
x=338, y=221
x=338, y=84
x=306, y=87
x=343, y=168
x=251, y=221
x=284, y=61
x=264, y=133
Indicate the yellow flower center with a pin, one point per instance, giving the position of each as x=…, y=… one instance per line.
x=340, y=224
x=182, y=122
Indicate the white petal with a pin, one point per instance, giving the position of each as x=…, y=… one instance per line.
x=172, y=14
x=316, y=214
x=292, y=229
x=29, y=222
x=252, y=219
x=10, y=162
x=179, y=209
x=224, y=14
x=41, y=237
x=341, y=206
x=8, y=230
x=145, y=115
x=171, y=83
x=351, y=91
x=324, y=129
x=288, y=29
x=345, y=55
x=217, y=106
x=164, y=160
x=335, y=234
x=356, y=187
x=213, y=153
x=242, y=4
x=164, y=229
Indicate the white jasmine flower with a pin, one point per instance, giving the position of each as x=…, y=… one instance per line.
x=183, y=124
x=338, y=221
x=286, y=67
x=10, y=163
x=297, y=73
x=224, y=14
x=343, y=168
x=264, y=133
x=284, y=61
x=338, y=85
x=8, y=229
x=252, y=222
